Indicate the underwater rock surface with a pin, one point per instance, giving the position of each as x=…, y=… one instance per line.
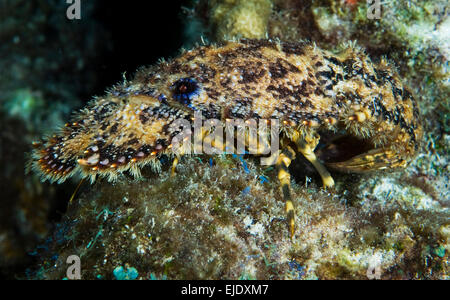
x=225, y=219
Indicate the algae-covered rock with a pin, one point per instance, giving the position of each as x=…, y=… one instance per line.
x=222, y=20
x=240, y=18
x=224, y=219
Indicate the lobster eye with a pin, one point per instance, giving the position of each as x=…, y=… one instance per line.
x=184, y=89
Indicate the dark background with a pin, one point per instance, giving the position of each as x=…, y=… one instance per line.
x=141, y=32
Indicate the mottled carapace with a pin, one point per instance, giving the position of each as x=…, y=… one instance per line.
x=365, y=116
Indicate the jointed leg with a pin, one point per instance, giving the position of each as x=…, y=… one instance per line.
x=174, y=166
x=370, y=160
x=181, y=152
x=283, y=162
x=306, y=147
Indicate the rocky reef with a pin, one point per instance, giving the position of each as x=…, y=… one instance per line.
x=222, y=217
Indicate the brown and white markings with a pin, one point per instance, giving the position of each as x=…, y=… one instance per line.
x=366, y=118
